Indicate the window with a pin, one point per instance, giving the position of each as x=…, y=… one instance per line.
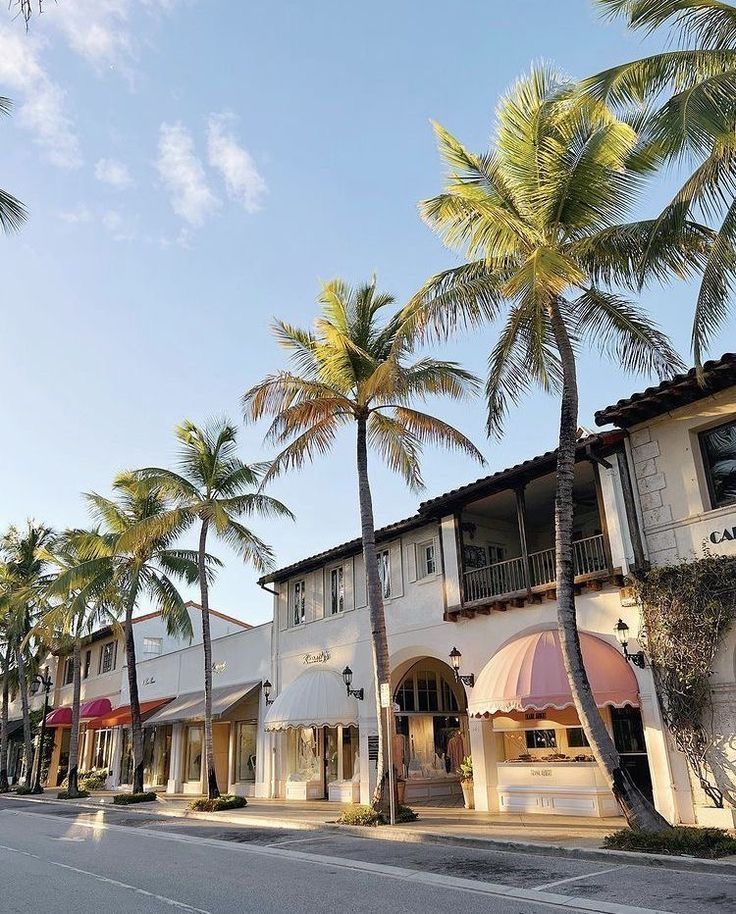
x=68, y=670
x=576, y=738
x=107, y=657
x=298, y=603
x=102, y=753
x=86, y=664
x=152, y=647
x=540, y=739
x=194, y=753
x=337, y=590
x=245, y=759
x=719, y=458
x=427, y=691
x=384, y=572
x=426, y=559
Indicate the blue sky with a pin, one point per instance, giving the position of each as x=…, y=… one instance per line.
x=193, y=168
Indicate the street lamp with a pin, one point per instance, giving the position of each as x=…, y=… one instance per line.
x=622, y=633
x=267, y=691
x=455, y=658
x=347, y=678
x=41, y=682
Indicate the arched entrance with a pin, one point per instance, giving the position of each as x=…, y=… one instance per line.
x=431, y=731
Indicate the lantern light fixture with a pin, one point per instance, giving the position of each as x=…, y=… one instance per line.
x=621, y=630
x=455, y=658
x=267, y=692
x=347, y=678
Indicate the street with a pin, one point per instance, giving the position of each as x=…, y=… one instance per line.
x=57, y=858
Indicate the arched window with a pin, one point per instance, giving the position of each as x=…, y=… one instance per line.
x=427, y=689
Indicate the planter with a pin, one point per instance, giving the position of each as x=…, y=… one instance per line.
x=401, y=791
x=468, y=794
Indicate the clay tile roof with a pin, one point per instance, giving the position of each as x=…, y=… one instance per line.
x=680, y=390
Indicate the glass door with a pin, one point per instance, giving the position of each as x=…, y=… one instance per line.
x=628, y=737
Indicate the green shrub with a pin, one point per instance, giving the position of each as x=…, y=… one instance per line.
x=368, y=817
x=125, y=799
x=681, y=840
x=64, y=795
x=93, y=781
x=406, y=814
x=23, y=791
x=220, y=804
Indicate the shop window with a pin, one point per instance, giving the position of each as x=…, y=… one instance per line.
x=628, y=733
x=426, y=559
x=303, y=745
x=384, y=572
x=349, y=751
x=69, y=671
x=194, y=753
x=718, y=446
x=102, y=753
x=337, y=590
x=152, y=647
x=298, y=597
x=540, y=739
x=405, y=695
x=245, y=759
x=107, y=657
x=576, y=738
x=331, y=754
x=156, y=754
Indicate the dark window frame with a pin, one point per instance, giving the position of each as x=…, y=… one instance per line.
x=707, y=465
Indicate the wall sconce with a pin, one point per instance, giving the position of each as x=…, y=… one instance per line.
x=622, y=633
x=267, y=691
x=347, y=678
x=455, y=658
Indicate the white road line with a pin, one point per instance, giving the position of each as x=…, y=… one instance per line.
x=435, y=880
x=551, y=885
x=172, y=902
x=299, y=840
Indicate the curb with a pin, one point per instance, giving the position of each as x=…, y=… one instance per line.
x=416, y=836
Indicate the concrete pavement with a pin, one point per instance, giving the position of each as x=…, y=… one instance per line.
x=51, y=855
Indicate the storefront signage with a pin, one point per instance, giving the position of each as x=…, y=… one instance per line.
x=149, y=680
x=385, y=695
x=536, y=715
x=722, y=536
x=541, y=772
x=318, y=657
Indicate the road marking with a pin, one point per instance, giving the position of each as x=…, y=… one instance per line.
x=551, y=885
x=298, y=840
x=68, y=838
x=436, y=880
x=172, y=902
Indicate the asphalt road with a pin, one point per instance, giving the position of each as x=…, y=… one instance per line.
x=57, y=859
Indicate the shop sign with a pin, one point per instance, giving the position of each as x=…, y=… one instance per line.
x=722, y=536
x=536, y=715
x=317, y=657
x=385, y=695
x=149, y=680
x=541, y=772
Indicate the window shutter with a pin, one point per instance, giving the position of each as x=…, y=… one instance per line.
x=397, y=571
x=317, y=590
x=348, y=577
x=282, y=602
x=412, y=560
x=360, y=592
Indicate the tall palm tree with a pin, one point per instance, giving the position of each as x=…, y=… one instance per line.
x=12, y=212
x=353, y=370
x=82, y=609
x=148, y=568
x=687, y=96
x=539, y=219
x=214, y=488
x=27, y=577
x=7, y=670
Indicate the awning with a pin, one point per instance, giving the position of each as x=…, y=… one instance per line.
x=121, y=717
x=317, y=698
x=95, y=708
x=528, y=674
x=190, y=705
x=15, y=727
x=59, y=717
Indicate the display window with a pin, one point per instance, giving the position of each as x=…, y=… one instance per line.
x=245, y=755
x=193, y=770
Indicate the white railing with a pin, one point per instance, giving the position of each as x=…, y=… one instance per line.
x=509, y=576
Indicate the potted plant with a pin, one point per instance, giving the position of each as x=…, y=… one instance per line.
x=466, y=781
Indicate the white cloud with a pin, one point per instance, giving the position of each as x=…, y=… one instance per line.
x=114, y=173
x=242, y=179
x=183, y=175
x=42, y=110
x=80, y=214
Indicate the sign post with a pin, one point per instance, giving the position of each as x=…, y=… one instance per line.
x=386, y=703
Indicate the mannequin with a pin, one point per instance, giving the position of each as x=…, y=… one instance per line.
x=455, y=750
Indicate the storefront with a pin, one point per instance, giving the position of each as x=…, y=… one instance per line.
x=536, y=756
x=317, y=726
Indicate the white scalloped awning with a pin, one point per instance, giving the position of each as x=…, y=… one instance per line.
x=317, y=698
x=528, y=674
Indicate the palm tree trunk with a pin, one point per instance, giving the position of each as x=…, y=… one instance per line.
x=209, y=752
x=72, y=778
x=27, y=738
x=639, y=812
x=136, y=725
x=4, y=783
x=379, y=638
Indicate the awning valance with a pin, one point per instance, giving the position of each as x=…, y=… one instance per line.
x=120, y=717
x=317, y=698
x=528, y=674
x=190, y=705
x=95, y=708
x=59, y=717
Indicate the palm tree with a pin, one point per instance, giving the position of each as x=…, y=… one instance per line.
x=7, y=669
x=538, y=218
x=12, y=212
x=27, y=576
x=353, y=369
x=214, y=488
x=81, y=610
x=110, y=565
x=687, y=96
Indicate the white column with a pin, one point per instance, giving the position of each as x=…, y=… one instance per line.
x=231, y=756
x=116, y=756
x=673, y=796
x=483, y=750
x=174, y=784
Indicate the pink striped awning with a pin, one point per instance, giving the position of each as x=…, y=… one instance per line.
x=528, y=674
x=97, y=707
x=59, y=717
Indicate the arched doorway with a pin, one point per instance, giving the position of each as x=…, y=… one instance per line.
x=431, y=732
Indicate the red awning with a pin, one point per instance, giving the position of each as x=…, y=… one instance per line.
x=60, y=717
x=120, y=717
x=95, y=708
